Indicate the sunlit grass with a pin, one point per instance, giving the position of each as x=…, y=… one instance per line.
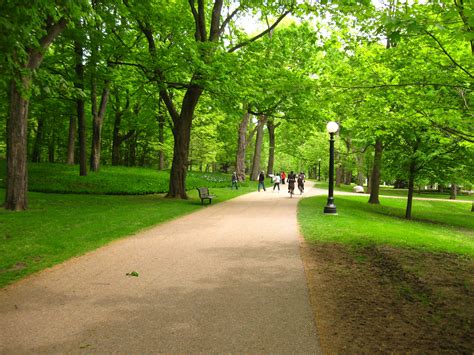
x=436, y=225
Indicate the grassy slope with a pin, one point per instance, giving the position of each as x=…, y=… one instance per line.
x=59, y=226
x=111, y=180
x=437, y=226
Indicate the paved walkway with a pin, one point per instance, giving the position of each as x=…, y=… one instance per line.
x=228, y=278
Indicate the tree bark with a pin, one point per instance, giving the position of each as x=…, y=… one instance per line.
x=17, y=124
x=81, y=117
x=116, y=141
x=117, y=138
x=51, y=147
x=339, y=175
x=360, y=169
x=375, y=177
x=348, y=177
x=36, y=153
x=242, y=144
x=182, y=136
x=161, y=137
x=453, y=191
x=17, y=175
x=271, y=148
x=71, y=140
x=411, y=182
x=258, y=148
x=97, y=122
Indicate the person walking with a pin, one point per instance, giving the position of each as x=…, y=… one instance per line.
x=283, y=177
x=261, y=181
x=291, y=183
x=235, y=181
x=276, y=182
x=301, y=180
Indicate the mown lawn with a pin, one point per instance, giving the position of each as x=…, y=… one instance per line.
x=110, y=180
x=390, y=191
x=436, y=226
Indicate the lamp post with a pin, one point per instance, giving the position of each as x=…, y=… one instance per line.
x=330, y=207
x=319, y=169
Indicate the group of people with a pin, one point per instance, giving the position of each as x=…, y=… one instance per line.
x=292, y=178
x=277, y=179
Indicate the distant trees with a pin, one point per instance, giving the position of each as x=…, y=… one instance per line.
x=183, y=86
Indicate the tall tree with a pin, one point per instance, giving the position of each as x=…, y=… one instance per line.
x=26, y=58
x=209, y=26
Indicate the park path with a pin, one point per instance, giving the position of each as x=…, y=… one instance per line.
x=228, y=278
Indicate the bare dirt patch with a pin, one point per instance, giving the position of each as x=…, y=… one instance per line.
x=383, y=299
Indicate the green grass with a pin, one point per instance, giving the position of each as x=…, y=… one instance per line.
x=110, y=180
x=390, y=191
x=437, y=226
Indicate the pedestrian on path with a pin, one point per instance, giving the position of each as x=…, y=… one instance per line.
x=291, y=182
x=235, y=181
x=276, y=182
x=283, y=177
x=301, y=181
x=261, y=181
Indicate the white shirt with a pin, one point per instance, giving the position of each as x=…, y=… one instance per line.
x=276, y=179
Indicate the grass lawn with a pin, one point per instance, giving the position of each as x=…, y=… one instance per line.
x=57, y=227
x=110, y=180
x=390, y=191
x=436, y=225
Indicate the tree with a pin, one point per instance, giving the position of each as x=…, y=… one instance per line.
x=25, y=54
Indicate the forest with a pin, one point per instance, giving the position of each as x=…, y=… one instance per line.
x=240, y=86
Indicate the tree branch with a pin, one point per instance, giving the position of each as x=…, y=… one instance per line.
x=269, y=29
x=37, y=54
x=448, y=55
x=216, y=16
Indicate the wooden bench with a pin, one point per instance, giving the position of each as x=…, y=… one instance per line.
x=205, y=195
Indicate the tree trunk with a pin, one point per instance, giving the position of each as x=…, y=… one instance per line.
x=71, y=140
x=97, y=122
x=161, y=130
x=132, y=151
x=360, y=169
x=161, y=138
x=271, y=148
x=453, y=191
x=81, y=117
x=17, y=124
x=17, y=175
x=182, y=136
x=375, y=177
x=242, y=145
x=411, y=181
x=339, y=175
x=258, y=148
x=348, y=177
x=116, y=141
x=51, y=148
x=36, y=153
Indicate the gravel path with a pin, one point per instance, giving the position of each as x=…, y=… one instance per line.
x=228, y=278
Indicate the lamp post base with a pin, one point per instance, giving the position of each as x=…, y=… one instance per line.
x=330, y=209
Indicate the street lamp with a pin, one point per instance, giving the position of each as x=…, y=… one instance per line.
x=319, y=169
x=330, y=207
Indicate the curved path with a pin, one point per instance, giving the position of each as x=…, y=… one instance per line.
x=228, y=278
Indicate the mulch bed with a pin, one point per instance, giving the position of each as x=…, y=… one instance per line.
x=382, y=299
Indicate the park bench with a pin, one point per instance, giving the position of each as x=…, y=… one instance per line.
x=205, y=195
